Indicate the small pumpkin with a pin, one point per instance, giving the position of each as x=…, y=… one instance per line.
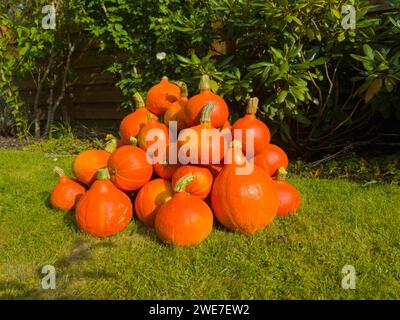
x=160, y=96
x=129, y=168
x=288, y=196
x=247, y=202
x=87, y=163
x=175, y=110
x=185, y=220
x=262, y=135
x=103, y=210
x=162, y=139
x=165, y=170
x=132, y=123
x=150, y=198
x=193, y=141
x=193, y=109
x=202, y=180
x=271, y=159
x=66, y=192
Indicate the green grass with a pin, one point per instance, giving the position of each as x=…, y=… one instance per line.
x=300, y=257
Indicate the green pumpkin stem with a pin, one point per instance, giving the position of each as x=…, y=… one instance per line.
x=204, y=82
x=181, y=184
x=103, y=174
x=236, y=144
x=150, y=116
x=139, y=102
x=281, y=174
x=206, y=113
x=59, y=171
x=111, y=145
x=252, y=106
x=133, y=141
x=183, y=87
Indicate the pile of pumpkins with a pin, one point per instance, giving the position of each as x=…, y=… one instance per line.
x=181, y=201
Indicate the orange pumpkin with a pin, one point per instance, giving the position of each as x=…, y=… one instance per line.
x=162, y=137
x=103, y=210
x=132, y=123
x=194, y=106
x=262, y=135
x=243, y=202
x=202, y=181
x=288, y=196
x=87, y=163
x=66, y=192
x=150, y=198
x=165, y=170
x=175, y=110
x=160, y=96
x=129, y=168
x=193, y=141
x=271, y=159
x=185, y=220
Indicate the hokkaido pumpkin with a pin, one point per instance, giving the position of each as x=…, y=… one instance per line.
x=202, y=180
x=103, y=210
x=160, y=96
x=203, y=143
x=165, y=170
x=150, y=198
x=194, y=106
x=175, y=110
x=161, y=138
x=66, y=192
x=185, y=220
x=262, y=135
x=247, y=202
x=87, y=163
x=132, y=123
x=271, y=159
x=129, y=168
x=288, y=196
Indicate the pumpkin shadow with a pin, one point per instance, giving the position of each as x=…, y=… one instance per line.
x=145, y=232
x=47, y=202
x=70, y=221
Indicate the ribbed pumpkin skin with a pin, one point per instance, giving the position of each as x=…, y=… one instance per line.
x=129, y=169
x=246, y=203
x=262, y=135
x=271, y=159
x=185, y=220
x=175, y=113
x=87, y=163
x=288, y=198
x=160, y=96
x=165, y=171
x=103, y=210
x=132, y=123
x=66, y=193
x=150, y=198
x=162, y=139
x=203, y=180
x=194, y=106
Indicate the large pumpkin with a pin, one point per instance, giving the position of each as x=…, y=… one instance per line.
x=129, y=168
x=132, y=123
x=176, y=109
x=160, y=96
x=202, y=180
x=246, y=202
x=194, y=107
x=87, y=163
x=185, y=220
x=288, y=196
x=150, y=198
x=66, y=192
x=103, y=210
x=262, y=135
x=271, y=159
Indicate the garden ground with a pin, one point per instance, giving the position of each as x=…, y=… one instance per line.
x=300, y=257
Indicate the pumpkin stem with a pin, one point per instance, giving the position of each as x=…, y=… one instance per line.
x=133, y=141
x=103, y=174
x=150, y=116
x=164, y=78
x=59, y=171
x=281, y=174
x=236, y=144
x=204, y=82
x=252, y=106
x=206, y=113
x=184, y=89
x=111, y=145
x=139, y=102
x=181, y=184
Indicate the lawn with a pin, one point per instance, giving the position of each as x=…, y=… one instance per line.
x=300, y=257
